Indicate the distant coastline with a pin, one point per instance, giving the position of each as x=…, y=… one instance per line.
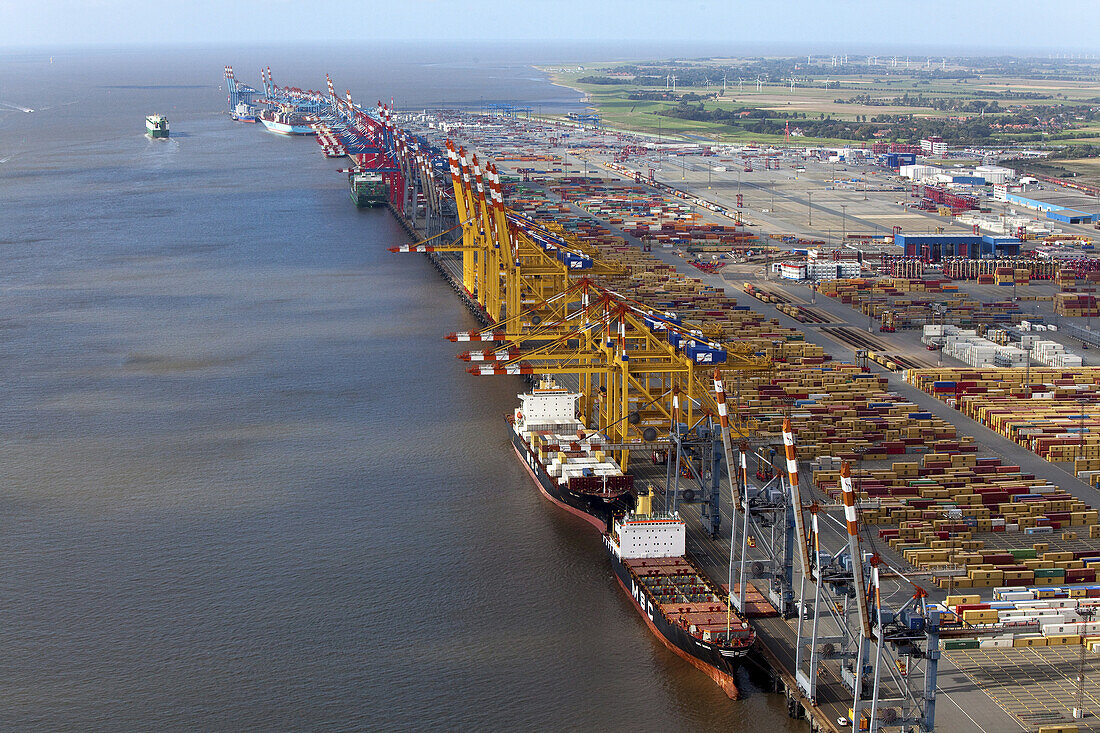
x=557, y=80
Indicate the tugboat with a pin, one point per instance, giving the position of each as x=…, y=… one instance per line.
x=156, y=126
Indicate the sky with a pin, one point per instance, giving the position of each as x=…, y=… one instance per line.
x=987, y=26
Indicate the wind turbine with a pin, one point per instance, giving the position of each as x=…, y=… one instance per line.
x=740, y=85
x=673, y=83
x=759, y=82
x=792, y=85
x=706, y=80
x=826, y=82
x=668, y=77
x=723, y=85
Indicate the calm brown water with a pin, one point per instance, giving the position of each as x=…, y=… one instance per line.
x=244, y=483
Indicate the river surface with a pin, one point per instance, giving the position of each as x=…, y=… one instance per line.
x=244, y=483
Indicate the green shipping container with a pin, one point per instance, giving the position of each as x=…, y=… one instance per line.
x=1049, y=573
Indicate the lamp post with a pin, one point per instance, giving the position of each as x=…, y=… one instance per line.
x=1086, y=615
x=843, y=223
x=939, y=309
x=1081, y=434
x=870, y=308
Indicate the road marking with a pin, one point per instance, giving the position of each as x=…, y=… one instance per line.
x=941, y=693
x=1072, y=680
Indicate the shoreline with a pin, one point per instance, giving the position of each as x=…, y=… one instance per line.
x=586, y=98
x=556, y=80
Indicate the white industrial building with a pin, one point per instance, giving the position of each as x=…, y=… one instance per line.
x=817, y=269
x=1001, y=190
x=933, y=146
x=919, y=172
x=994, y=174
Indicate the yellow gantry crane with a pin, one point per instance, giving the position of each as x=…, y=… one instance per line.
x=631, y=363
x=509, y=262
x=638, y=369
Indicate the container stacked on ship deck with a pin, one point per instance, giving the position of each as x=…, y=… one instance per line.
x=566, y=461
x=686, y=611
x=572, y=454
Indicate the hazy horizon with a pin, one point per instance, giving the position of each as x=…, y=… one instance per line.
x=620, y=28
x=581, y=51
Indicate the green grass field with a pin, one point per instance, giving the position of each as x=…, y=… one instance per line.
x=814, y=99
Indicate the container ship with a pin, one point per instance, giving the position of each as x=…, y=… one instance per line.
x=676, y=600
x=156, y=126
x=367, y=189
x=243, y=113
x=565, y=460
x=285, y=121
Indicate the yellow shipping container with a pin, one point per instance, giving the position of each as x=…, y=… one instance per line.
x=1029, y=640
x=980, y=616
x=962, y=600
x=1063, y=640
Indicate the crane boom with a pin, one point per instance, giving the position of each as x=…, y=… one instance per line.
x=852, y=521
x=796, y=498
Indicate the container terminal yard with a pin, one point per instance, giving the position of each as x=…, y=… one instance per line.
x=870, y=400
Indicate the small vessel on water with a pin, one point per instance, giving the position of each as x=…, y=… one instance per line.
x=367, y=189
x=285, y=120
x=677, y=601
x=243, y=112
x=156, y=126
x=566, y=461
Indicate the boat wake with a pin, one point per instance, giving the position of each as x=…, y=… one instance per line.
x=9, y=105
x=56, y=106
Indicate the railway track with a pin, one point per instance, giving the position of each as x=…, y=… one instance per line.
x=877, y=351
x=805, y=314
